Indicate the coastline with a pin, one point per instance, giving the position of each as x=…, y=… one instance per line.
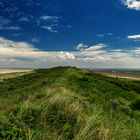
x=6, y=71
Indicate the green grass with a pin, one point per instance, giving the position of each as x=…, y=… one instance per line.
x=66, y=103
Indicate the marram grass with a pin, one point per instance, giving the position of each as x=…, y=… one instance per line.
x=67, y=103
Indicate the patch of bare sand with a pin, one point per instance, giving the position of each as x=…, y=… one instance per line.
x=4, y=71
x=11, y=73
x=126, y=77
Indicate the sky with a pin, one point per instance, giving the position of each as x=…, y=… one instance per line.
x=81, y=33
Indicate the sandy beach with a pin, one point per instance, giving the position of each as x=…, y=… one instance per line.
x=3, y=71
x=134, y=75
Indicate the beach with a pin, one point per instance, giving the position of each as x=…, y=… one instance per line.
x=3, y=71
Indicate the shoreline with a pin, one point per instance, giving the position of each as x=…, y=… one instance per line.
x=124, y=77
x=7, y=71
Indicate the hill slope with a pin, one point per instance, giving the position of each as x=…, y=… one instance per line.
x=68, y=103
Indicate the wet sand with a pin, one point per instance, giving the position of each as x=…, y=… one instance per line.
x=135, y=75
x=127, y=77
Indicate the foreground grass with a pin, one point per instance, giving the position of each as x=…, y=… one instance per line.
x=13, y=74
x=68, y=103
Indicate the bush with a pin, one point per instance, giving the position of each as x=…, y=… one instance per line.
x=29, y=116
x=136, y=105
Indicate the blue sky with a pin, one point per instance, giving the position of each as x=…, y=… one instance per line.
x=83, y=33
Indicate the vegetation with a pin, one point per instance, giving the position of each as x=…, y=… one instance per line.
x=66, y=103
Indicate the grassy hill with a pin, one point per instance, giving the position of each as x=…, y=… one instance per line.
x=67, y=103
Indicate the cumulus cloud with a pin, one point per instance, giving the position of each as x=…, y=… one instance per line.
x=132, y=4
x=91, y=53
x=23, y=54
x=99, y=56
x=66, y=56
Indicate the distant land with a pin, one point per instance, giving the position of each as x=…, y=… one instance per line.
x=120, y=72
x=2, y=71
x=113, y=72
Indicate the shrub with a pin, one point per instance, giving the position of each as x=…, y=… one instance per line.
x=136, y=105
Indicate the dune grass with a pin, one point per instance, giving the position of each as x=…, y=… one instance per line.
x=66, y=103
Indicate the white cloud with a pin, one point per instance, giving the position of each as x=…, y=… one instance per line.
x=22, y=54
x=48, y=18
x=134, y=37
x=81, y=46
x=26, y=55
x=49, y=28
x=136, y=51
x=84, y=47
x=98, y=56
x=96, y=47
x=91, y=53
x=66, y=56
x=50, y=23
x=132, y=4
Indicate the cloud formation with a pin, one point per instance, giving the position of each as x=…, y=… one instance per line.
x=81, y=46
x=23, y=54
x=134, y=37
x=66, y=55
x=50, y=18
x=50, y=29
x=132, y=4
x=96, y=47
x=50, y=23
